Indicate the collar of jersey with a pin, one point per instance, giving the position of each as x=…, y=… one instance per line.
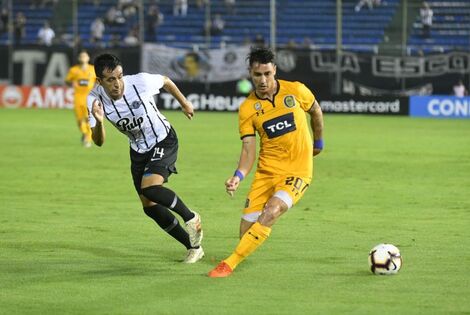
x=274, y=96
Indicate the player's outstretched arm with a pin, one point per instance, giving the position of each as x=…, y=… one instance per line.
x=186, y=105
x=247, y=159
x=98, y=133
x=316, y=121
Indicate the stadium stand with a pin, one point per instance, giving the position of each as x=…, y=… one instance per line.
x=87, y=12
x=35, y=18
x=362, y=31
x=450, y=29
x=315, y=24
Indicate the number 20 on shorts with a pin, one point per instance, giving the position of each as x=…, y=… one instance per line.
x=298, y=185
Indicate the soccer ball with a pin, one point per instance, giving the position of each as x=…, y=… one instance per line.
x=385, y=259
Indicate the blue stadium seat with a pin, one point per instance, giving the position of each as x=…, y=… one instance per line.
x=450, y=29
x=315, y=20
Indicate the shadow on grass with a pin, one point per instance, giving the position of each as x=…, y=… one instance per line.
x=43, y=247
x=60, y=261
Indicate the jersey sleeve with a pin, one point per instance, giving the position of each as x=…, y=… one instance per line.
x=152, y=83
x=70, y=75
x=89, y=101
x=245, y=122
x=305, y=97
x=93, y=76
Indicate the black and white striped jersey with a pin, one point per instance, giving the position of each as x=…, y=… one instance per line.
x=135, y=114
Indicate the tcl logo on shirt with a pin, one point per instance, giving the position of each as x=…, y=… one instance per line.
x=279, y=126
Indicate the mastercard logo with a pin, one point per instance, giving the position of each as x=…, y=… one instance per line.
x=12, y=97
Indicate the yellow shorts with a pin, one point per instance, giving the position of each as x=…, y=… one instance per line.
x=287, y=188
x=81, y=112
x=80, y=107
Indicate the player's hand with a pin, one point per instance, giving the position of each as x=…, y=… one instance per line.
x=231, y=185
x=97, y=111
x=316, y=151
x=188, y=109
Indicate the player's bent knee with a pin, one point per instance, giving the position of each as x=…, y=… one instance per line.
x=270, y=215
x=285, y=198
x=251, y=217
x=149, y=180
x=151, y=191
x=145, y=202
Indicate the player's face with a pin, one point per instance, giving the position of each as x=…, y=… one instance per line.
x=83, y=58
x=262, y=75
x=112, y=82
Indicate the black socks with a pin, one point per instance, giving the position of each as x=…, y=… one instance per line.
x=167, y=221
x=166, y=197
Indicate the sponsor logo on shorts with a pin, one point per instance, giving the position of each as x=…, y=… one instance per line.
x=279, y=126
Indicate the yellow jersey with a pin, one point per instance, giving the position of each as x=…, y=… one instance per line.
x=286, y=146
x=83, y=80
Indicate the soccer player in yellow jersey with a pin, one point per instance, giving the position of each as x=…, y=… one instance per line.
x=82, y=78
x=276, y=111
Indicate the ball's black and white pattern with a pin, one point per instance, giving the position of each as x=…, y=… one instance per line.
x=385, y=259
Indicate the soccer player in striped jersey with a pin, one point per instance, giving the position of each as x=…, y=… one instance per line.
x=127, y=102
x=276, y=112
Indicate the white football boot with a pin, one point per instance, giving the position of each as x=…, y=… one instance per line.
x=194, y=229
x=194, y=255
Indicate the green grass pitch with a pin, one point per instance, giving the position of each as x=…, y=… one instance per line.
x=74, y=239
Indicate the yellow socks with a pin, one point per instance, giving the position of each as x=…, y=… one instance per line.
x=250, y=241
x=85, y=130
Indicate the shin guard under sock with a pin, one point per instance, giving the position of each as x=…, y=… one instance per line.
x=167, y=221
x=250, y=241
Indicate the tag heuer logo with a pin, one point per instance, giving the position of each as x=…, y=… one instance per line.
x=289, y=101
x=258, y=106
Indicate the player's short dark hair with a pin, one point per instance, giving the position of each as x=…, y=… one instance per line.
x=261, y=55
x=105, y=61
